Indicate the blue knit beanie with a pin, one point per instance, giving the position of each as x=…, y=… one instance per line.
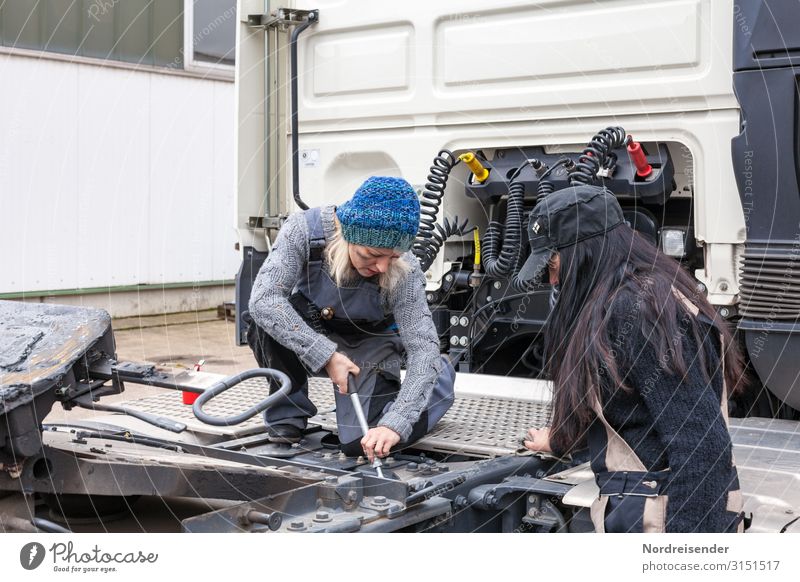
x=383, y=213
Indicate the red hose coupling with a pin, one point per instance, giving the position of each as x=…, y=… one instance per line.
x=643, y=169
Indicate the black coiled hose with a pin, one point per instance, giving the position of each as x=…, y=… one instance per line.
x=594, y=155
x=544, y=188
x=502, y=247
x=524, y=286
x=442, y=233
x=431, y=236
x=598, y=154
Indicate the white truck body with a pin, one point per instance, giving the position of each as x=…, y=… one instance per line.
x=384, y=86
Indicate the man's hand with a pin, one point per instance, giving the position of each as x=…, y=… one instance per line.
x=338, y=367
x=379, y=441
x=538, y=439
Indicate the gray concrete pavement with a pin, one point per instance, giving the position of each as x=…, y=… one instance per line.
x=182, y=340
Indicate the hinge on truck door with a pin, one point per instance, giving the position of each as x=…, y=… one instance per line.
x=282, y=18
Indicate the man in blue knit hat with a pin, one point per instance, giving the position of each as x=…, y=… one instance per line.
x=340, y=294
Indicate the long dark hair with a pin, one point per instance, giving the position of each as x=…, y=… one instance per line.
x=592, y=272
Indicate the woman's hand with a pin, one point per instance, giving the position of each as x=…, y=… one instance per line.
x=338, y=368
x=538, y=439
x=379, y=441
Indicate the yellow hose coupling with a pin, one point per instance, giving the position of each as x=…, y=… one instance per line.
x=475, y=277
x=475, y=166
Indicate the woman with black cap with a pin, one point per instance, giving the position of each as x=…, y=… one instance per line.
x=642, y=369
x=341, y=295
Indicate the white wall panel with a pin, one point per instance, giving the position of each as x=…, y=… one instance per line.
x=182, y=179
x=224, y=258
x=113, y=181
x=39, y=175
x=111, y=177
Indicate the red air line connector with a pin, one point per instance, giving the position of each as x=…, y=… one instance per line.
x=643, y=169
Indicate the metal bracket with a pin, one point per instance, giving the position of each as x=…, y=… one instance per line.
x=282, y=18
x=543, y=514
x=268, y=222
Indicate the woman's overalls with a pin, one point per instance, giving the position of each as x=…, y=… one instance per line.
x=633, y=499
x=353, y=318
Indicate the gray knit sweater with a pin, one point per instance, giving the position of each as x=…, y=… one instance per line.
x=271, y=310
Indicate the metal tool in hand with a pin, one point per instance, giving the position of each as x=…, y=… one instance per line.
x=362, y=419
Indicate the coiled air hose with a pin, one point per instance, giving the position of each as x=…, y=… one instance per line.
x=431, y=235
x=594, y=155
x=523, y=285
x=544, y=188
x=597, y=154
x=502, y=244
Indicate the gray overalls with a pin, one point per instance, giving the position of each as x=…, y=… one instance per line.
x=353, y=317
x=633, y=499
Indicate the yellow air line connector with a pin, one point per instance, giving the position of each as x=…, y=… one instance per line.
x=478, y=171
x=475, y=277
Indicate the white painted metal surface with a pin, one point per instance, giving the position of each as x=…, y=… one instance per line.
x=384, y=87
x=112, y=177
x=426, y=63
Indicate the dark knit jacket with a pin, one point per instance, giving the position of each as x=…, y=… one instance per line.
x=672, y=422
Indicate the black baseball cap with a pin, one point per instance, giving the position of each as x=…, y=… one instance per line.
x=565, y=218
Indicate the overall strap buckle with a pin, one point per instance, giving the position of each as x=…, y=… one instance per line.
x=636, y=483
x=316, y=249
